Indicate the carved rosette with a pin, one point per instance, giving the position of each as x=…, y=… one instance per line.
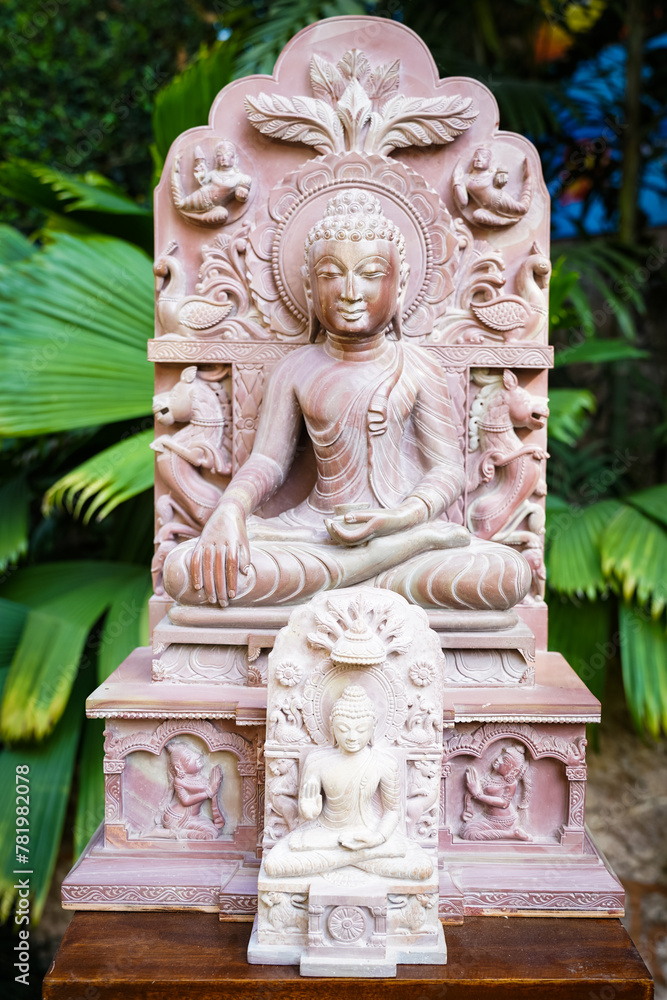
x=299, y=201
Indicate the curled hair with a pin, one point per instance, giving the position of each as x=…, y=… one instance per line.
x=354, y=703
x=355, y=215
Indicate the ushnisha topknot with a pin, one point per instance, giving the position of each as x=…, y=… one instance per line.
x=354, y=703
x=355, y=215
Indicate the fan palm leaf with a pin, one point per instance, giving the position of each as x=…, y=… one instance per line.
x=76, y=318
x=64, y=600
x=99, y=485
x=634, y=552
x=574, y=539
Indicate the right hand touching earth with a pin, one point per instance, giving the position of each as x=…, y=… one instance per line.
x=221, y=551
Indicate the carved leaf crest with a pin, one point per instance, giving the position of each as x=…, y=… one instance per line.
x=383, y=80
x=354, y=110
x=354, y=65
x=416, y=121
x=336, y=119
x=326, y=80
x=299, y=119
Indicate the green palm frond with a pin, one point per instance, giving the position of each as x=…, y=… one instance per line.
x=186, y=100
x=13, y=245
x=90, y=797
x=573, y=548
x=50, y=768
x=89, y=200
x=107, y=479
x=14, y=500
x=634, y=552
x=12, y=620
x=263, y=42
x=568, y=412
x=644, y=663
x=652, y=501
x=65, y=601
x=612, y=272
x=580, y=631
x=598, y=351
x=76, y=318
x=125, y=625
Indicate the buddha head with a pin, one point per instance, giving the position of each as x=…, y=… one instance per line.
x=482, y=158
x=353, y=719
x=355, y=273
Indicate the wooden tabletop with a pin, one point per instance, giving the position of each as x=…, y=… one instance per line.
x=177, y=955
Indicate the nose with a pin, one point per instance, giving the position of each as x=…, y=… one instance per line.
x=350, y=287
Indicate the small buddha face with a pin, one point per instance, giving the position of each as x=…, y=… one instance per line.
x=352, y=735
x=354, y=285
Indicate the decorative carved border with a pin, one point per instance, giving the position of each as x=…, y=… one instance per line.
x=150, y=895
x=540, y=745
x=451, y=355
x=560, y=719
x=575, y=900
x=118, y=747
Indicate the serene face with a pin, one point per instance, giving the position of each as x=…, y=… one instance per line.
x=482, y=159
x=352, y=735
x=354, y=285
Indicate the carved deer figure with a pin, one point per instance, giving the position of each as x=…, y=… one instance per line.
x=504, y=473
x=190, y=462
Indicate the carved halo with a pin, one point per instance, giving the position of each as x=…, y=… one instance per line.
x=384, y=688
x=275, y=255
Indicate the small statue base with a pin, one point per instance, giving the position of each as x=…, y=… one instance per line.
x=353, y=925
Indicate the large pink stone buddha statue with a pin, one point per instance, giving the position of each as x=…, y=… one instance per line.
x=389, y=465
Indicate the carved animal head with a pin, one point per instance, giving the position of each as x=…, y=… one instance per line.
x=194, y=395
x=540, y=265
x=525, y=410
x=427, y=768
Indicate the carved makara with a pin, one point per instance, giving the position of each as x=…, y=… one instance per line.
x=216, y=185
x=505, y=476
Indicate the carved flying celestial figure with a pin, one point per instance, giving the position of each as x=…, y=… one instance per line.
x=217, y=187
x=481, y=196
x=380, y=421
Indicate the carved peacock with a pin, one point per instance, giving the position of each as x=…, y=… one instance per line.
x=182, y=315
x=522, y=316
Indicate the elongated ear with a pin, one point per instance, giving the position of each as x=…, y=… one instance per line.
x=510, y=381
x=397, y=318
x=189, y=374
x=314, y=325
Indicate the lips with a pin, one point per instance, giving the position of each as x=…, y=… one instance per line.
x=351, y=314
